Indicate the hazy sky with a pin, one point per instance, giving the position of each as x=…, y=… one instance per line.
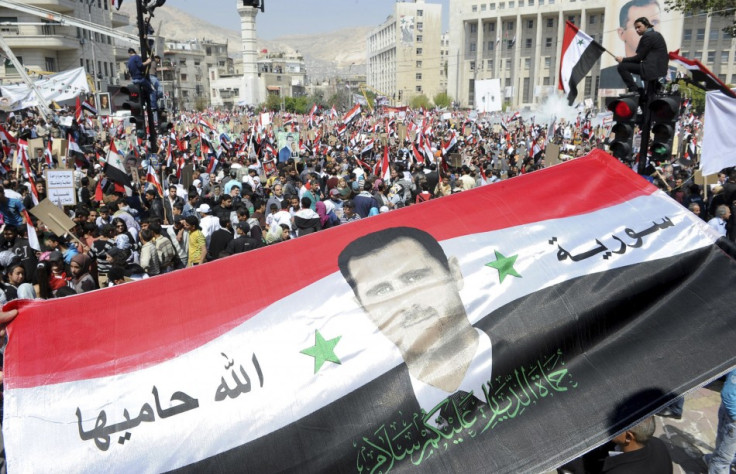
x=288, y=17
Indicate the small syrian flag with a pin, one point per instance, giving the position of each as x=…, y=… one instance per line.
x=333, y=113
x=418, y=156
x=153, y=179
x=6, y=136
x=449, y=144
x=352, y=114
x=114, y=168
x=78, y=111
x=89, y=108
x=116, y=4
x=75, y=152
x=48, y=155
x=385, y=166
x=212, y=164
x=579, y=53
x=701, y=74
x=368, y=147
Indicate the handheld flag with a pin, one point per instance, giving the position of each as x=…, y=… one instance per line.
x=579, y=53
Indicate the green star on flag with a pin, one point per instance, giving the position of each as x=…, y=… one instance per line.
x=504, y=265
x=322, y=350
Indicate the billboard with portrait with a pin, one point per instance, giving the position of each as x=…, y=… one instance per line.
x=103, y=103
x=621, y=39
x=288, y=143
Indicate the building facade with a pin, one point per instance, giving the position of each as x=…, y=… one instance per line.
x=404, y=53
x=186, y=72
x=519, y=42
x=45, y=46
x=283, y=74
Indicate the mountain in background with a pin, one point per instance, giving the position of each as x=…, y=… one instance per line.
x=325, y=55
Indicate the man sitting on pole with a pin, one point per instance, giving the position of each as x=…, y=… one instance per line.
x=649, y=62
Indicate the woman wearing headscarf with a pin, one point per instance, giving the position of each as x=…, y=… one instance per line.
x=81, y=281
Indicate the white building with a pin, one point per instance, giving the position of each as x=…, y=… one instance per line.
x=404, y=53
x=43, y=46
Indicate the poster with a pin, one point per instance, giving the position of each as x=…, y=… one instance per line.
x=488, y=95
x=103, y=103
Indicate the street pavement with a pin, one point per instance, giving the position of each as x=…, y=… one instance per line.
x=689, y=438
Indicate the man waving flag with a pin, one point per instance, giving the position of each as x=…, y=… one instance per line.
x=579, y=53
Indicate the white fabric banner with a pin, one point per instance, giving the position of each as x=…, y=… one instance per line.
x=719, y=141
x=488, y=95
x=57, y=87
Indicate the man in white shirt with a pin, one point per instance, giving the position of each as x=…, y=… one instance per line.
x=723, y=213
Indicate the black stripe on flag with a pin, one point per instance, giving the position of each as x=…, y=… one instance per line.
x=607, y=328
x=117, y=175
x=591, y=54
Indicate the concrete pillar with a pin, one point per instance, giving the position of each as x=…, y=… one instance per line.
x=250, y=91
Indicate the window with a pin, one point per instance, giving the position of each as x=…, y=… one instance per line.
x=419, y=51
x=490, y=46
x=105, y=64
x=530, y=24
x=711, y=57
x=14, y=28
x=546, y=81
x=419, y=64
x=713, y=35
x=474, y=8
x=472, y=47
x=548, y=42
x=278, y=78
x=527, y=63
x=419, y=76
x=724, y=57
x=420, y=12
x=726, y=35
x=197, y=63
x=508, y=82
x=491, y=27
x=701, y=34
x=510, y=25
x=50, y=64
x=182, y=62
x=490, y=64
x=723, y=78
x=521, y=3
x=420, y=26
x=531, y=3
x=473, y=27
x=550, y=22
x=512, y=5
x=687, y=35
x=501, y=6
x=591, y=20
x=183, y=77
x=571, y=18
x=483, y=7
x=508, y=64
x=472, y=65
x=547, y=62
x=528, y=43
x=698, y=55
x=419, y=38
x=492, y=6
x=418, y=89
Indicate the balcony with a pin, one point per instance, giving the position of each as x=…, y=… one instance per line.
x=59, y=6
x=118, y=19
x=53, y=37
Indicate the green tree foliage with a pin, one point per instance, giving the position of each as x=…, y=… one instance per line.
x=442, y=100
x=696, y=95
x=420, y=100
x=296, y=105
x=273, y=103
x=712, y=7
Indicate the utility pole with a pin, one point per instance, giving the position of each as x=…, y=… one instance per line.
x=146, y=85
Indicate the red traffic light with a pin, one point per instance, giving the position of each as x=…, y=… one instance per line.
x=624, y=108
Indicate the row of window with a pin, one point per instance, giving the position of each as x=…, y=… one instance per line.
x=710, y=57
x=550, y=22
x=100, y=3
x=511, y=4
x=714, y=33
x=102, y=67
x=527, y=63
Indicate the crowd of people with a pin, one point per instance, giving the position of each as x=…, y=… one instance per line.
x=217, y=185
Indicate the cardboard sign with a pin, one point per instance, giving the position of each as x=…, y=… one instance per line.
x=552, y=154
x=59, y=147
x=60, y=187
x=54, y=218
x=35, y=144
x=456, y=160
x=701, y=180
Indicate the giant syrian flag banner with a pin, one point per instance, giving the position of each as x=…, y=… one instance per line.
x=508, y=328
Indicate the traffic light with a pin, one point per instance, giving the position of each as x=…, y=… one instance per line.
x=624, y=114
x=664, y=112
x=135, y=105
x=255, y=4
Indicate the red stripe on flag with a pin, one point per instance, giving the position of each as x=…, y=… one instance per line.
x=157, y=328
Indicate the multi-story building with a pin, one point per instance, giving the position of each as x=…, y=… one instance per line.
x=44, y=46
x=404, y=53
x=519, y=42
x=283, y=74
x=444, y=55
x=186, y=72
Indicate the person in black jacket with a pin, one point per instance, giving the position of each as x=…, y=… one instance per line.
x=651, y=58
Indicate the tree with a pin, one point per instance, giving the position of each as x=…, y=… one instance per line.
x=273, y=102
x=442, y=100
x=696, y=95
x=420, y=100
x=712, y=7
